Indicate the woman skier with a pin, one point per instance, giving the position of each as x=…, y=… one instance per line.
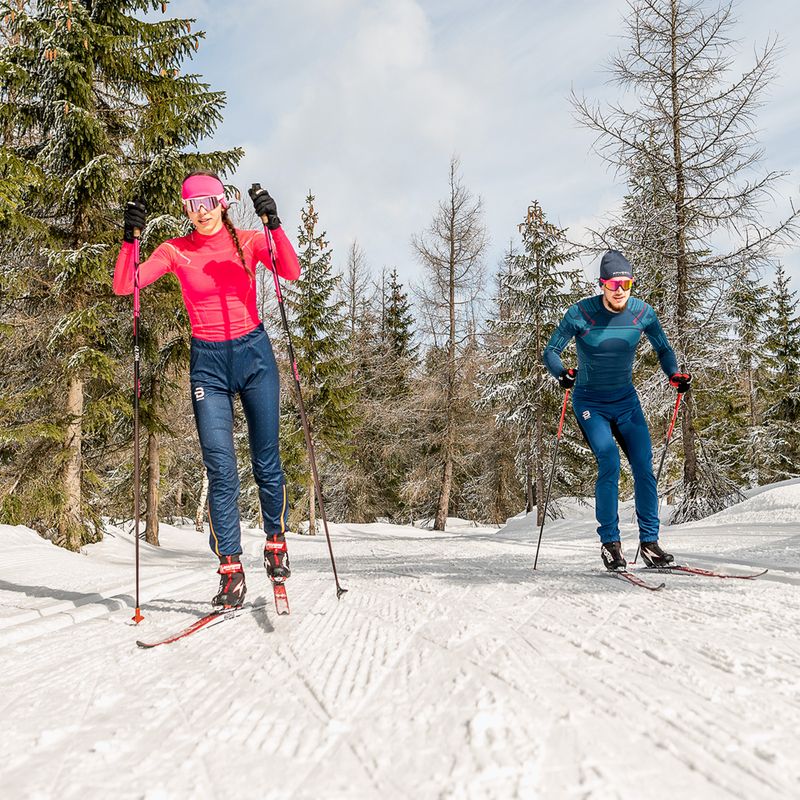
x=230, y=354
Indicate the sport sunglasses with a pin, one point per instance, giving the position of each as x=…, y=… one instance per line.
x=621, y=283
x=194, y=204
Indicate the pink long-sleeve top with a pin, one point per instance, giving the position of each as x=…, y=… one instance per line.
x=220, y=295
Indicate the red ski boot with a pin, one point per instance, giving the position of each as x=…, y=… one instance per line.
x=232, y=587
x=276, y=558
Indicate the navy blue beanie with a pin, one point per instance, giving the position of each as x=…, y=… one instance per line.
x=615, y=265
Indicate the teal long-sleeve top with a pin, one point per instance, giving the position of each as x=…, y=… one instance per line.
x=606, y=343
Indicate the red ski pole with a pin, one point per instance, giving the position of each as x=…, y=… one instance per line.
x=254, y=190
x=552, y=473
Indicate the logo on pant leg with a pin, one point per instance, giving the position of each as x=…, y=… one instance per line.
x=199, y=393
x=586, y=414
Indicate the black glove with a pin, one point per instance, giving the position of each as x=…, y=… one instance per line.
x=264, y=204
x=567, y=378
x=681, y=381
x=135, y=216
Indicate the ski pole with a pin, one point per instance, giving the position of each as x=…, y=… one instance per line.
x=663, y=456
x=255, y=189
x=137, y=617
x=552, y=473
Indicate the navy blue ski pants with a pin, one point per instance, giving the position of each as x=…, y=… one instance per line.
x=219, y=371
x=608, y=419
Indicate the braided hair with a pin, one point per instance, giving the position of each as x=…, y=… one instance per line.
x=226, y=221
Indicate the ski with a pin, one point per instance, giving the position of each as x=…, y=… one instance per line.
x=635, y=580
x=213, y=618
x=281, y=600
x=708, y=573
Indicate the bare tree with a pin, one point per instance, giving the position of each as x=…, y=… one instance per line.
x=691, y=126
x=451, y=251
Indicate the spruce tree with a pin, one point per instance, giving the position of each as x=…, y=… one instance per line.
x=398, y=322
x=781, y=426
x=94, y=111
x=319, y=333
x=536, y=290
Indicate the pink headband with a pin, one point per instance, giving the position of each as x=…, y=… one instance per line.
x=203, y=186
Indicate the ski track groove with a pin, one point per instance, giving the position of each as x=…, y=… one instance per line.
x=496, y=683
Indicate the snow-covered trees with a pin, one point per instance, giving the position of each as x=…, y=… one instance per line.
x=451, y=253
x=319, y=333
x=686, y=134
x=781, y=419
x=535, y=289
x=95, y=110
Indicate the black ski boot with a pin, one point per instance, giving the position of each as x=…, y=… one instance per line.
x=232, y=587
x=611, y=553
x=654, y=556
x=276, y=558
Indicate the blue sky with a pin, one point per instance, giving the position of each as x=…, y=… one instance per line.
x=364, y=102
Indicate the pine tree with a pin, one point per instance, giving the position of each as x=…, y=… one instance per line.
x=94, y=112
x=319, y=333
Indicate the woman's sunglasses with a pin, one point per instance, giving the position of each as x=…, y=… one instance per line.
x=194, y=204
x=613, y=284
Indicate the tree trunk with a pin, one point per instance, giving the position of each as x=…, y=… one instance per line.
x=447, y=471
x=529, y=470
x=312, y=509
x=153, y=480
x=179, y=497
x=682, y=264
x=539, y=469
x=201, y=505
x=70, y=524
x=444, y=494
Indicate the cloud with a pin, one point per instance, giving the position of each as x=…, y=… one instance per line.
x=364, y=102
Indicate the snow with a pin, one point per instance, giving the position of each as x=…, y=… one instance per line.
x=449, y=670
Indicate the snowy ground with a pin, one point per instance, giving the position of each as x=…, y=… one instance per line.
x=449, y=670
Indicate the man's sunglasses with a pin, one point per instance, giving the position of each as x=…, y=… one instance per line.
x=622, y=283
x=194, y=204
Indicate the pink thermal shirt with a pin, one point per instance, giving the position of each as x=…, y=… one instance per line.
x=219, y=294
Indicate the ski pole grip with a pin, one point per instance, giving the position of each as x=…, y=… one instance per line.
x=256, y=189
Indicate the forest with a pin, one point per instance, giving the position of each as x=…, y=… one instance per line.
x=426, y=400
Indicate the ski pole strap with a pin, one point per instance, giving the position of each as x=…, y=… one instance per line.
x=563, y=413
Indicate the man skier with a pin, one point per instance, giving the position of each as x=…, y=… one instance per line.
x=607, y=329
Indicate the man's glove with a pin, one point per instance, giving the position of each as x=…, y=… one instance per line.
x=567, y=378
x=264, y=204
x=135, y=216
x=681, y=381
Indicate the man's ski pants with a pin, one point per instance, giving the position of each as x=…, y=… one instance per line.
x=608, y=419
x=219, y=370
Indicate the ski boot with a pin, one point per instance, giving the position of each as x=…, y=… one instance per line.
x=654, y=556
x=232, y=586
x=276, y=558
x=611, y=553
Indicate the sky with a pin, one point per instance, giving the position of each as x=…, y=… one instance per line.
x=364, y=102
